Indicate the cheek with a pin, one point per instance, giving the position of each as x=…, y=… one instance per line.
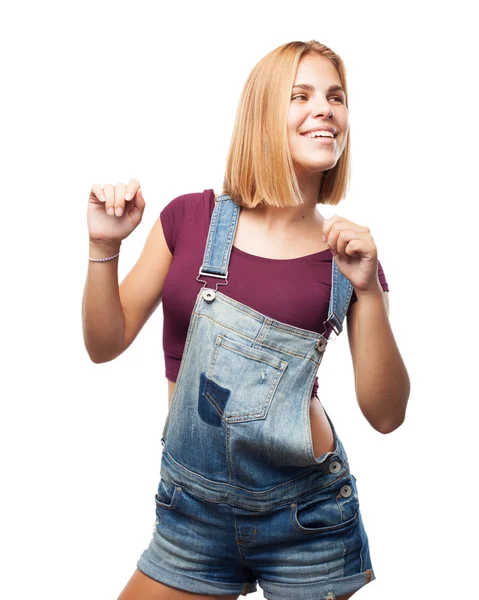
x=291, y=130
x=292, y=133
x=294, y=142
x=295, y=118
x=344, y=122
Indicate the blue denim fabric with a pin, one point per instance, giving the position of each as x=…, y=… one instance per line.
x=242, y=499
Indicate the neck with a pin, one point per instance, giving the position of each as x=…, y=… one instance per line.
x=277, y=220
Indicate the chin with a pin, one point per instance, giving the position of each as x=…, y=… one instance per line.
x=313, y=168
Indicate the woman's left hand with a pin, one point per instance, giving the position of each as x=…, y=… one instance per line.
x=354, y=252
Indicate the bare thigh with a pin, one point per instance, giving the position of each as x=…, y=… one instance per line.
x=142, y=587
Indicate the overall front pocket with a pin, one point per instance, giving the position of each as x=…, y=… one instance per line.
x=328, y=509
x=168, y=494
x=241, y=381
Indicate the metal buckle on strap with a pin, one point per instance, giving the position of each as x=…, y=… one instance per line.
x=332, y=323
x=213, y=275
x=225, y=277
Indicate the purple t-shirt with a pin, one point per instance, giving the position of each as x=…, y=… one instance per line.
x=294, y=291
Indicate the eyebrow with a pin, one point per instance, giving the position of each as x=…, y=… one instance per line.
x=306, y=86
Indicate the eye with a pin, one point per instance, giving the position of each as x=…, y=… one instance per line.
x=303, y=96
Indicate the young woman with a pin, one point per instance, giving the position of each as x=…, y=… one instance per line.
x=255, y=483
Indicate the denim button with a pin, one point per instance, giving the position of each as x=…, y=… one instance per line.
x=208, y=295
x=321, y=345
x=346, y=491
x=334, y=467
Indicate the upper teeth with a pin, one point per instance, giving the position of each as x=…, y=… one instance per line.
x=313, y=134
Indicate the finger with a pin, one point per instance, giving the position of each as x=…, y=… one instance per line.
x=138, y=207
x=131, y=189
x=109, y=192
x=356, y=247
x=334, y=236
x=139, y=200
x=343, y=239
x=97, y=192
x=341, y=223
x=328, y=224
x=349, y=241
x=331, y=232
x=331, y=229
x=119, y=198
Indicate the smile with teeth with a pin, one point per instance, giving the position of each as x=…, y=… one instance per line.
x=315, y=134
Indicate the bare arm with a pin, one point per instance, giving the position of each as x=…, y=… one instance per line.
x=113, y=315
x=381, y=379
x=102, y=313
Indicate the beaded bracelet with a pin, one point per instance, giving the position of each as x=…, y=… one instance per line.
x=104, y=259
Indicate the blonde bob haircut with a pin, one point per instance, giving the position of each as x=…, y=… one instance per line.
x=259, y=168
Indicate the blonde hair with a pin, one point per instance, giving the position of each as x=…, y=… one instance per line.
x=259, y=168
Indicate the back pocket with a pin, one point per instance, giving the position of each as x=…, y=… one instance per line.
x=242, y=380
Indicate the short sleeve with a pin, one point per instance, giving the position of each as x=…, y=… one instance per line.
x=382, y=281
x=171, y=217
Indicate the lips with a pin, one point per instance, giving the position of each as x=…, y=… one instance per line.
x=307, y=133
x=326, y=141
x=326, y=128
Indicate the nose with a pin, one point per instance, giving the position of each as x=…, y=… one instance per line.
x=322, y=107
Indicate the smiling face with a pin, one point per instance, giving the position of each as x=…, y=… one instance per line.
x=316, y=107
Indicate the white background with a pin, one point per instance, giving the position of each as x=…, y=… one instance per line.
x=101, y=92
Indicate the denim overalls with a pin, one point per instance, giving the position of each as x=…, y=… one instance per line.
x=239, y=478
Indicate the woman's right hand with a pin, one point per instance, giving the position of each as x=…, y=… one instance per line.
x=104, y=228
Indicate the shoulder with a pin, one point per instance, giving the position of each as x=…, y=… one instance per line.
x=183, y=212
x=191, y=201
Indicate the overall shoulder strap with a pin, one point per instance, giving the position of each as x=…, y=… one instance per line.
x=221, y=233
x=341, y=292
